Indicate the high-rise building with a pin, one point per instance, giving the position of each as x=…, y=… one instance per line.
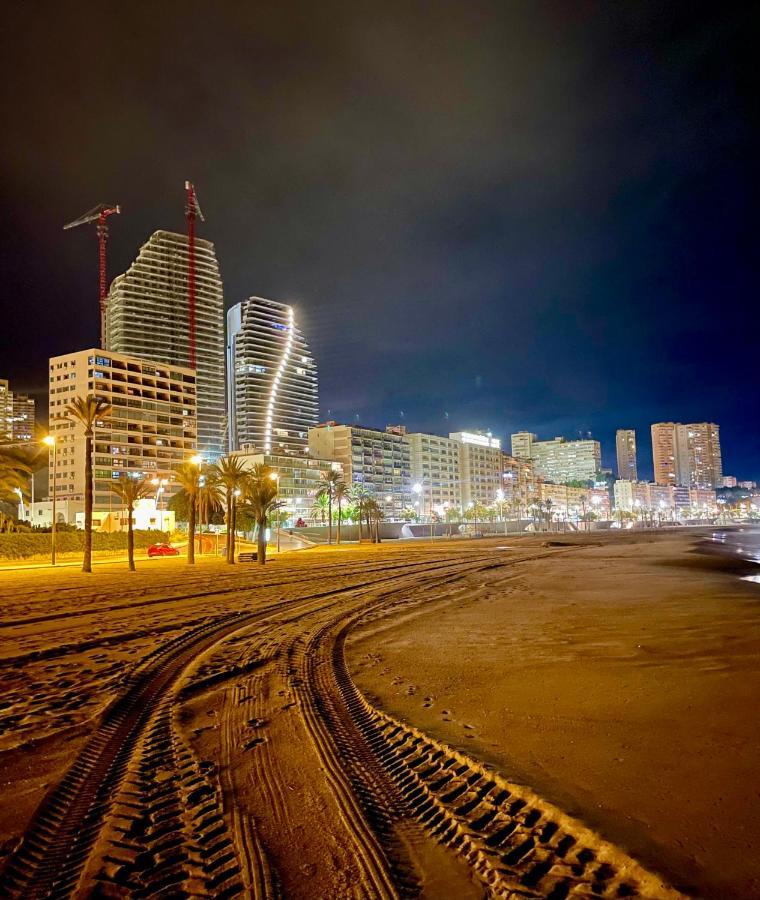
x=625, y=445
x=147, y=316
x=481, y=467
x=150, y=431
x=272, y=386
x=17, y=415
x=559, y=460
x=687, y=455
x=379, y=461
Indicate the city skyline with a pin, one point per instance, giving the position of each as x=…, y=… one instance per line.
x=494, y=264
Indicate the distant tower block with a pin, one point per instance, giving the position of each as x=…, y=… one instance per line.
x=625, y=444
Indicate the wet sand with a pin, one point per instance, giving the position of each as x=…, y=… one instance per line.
x=621, y=682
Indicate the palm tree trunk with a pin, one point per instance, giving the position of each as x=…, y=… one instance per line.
x=339, y=508
x=130, y=540
x=87, y=560
x=329, y=519
x=191, y=532
x=262, y=541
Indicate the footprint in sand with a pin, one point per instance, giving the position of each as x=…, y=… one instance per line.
x=411, y=690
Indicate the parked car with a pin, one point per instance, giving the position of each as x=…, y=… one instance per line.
x=162, y=550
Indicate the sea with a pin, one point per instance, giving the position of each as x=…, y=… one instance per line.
x=741, y=542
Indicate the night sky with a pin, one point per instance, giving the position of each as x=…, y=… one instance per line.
x=503, y=215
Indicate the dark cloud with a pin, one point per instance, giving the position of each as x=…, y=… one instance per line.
x=528, y=215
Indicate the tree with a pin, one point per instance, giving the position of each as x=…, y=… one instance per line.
x=328, y=483
x=230, y=475
x=359, y=497
x=15, y=468
x=188, y=476
x=129, y=491
x=319, y=509
x=210, y=498
x=409, y=514
x=340, y=495
x=374, y=514
x=88, y=411
x=260, y=497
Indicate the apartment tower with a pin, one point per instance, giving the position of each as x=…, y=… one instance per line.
x=17, y=415
x=687, y=455
x=147, y=317
x=272, y=385
x=625, y=445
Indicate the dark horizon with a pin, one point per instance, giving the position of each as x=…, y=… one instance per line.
x=527, y=218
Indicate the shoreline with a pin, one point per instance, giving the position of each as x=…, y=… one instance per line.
x=610, y=679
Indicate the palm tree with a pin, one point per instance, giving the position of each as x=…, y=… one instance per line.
x=374, y=515
x=15, y=468
x=129, y=491
x=328, y=482
x=260, y=493
x=319, y=509
x=210, y=497
x=359, y=497
x=188, y=476
x=340, y=495
x=88, y=411
x=230, y=473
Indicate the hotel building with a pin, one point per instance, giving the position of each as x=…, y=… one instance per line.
x=481, y=467
x=150, y=431
x=379, y=461
x=272, y=386
x=559, y=460
x=625, y=447
x=147, y=316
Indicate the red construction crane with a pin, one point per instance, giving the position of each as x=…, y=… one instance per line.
x=192, y=212
x=99, y=214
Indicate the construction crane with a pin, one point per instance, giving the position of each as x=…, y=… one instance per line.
x=192, y=212
x=99, y=214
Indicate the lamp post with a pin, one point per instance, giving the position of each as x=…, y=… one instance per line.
x=50, y=441
x=160, y=485
x=275, y=476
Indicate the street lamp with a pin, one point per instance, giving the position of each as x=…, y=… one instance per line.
x=275, y=476
x=50, y=442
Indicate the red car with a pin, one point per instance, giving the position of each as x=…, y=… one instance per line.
x=162, y=550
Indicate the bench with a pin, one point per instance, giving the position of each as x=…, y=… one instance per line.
x=248, y=557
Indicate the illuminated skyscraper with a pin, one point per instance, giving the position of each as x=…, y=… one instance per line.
x=687, y=455
x=272, y=386
x=625, y=444
x=147, y=316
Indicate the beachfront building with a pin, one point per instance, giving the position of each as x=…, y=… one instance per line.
x=379, y=461
x=481, y=467
x=625, y=450
x=559, y=460
x=687, y=455
x=663, y=500
x=17, y=415
x=150, y=431
x=436, y=478
x=272, y=387
x=298, y=478
x=148, y=317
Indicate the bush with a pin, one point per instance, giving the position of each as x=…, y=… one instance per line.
x=21, y=546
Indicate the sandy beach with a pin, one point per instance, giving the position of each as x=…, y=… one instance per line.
x=620, y=681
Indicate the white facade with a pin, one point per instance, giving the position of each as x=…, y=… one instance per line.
x=559, y=460
x=436, y=464
x=272, y=386
x=481, y=467
x=147, y=316
x=149, y=432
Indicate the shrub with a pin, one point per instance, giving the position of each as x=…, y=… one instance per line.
x=21, y=546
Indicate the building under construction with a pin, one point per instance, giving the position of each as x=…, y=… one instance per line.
x=148, y=316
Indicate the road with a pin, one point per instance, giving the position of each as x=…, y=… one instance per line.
x=195, y=732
